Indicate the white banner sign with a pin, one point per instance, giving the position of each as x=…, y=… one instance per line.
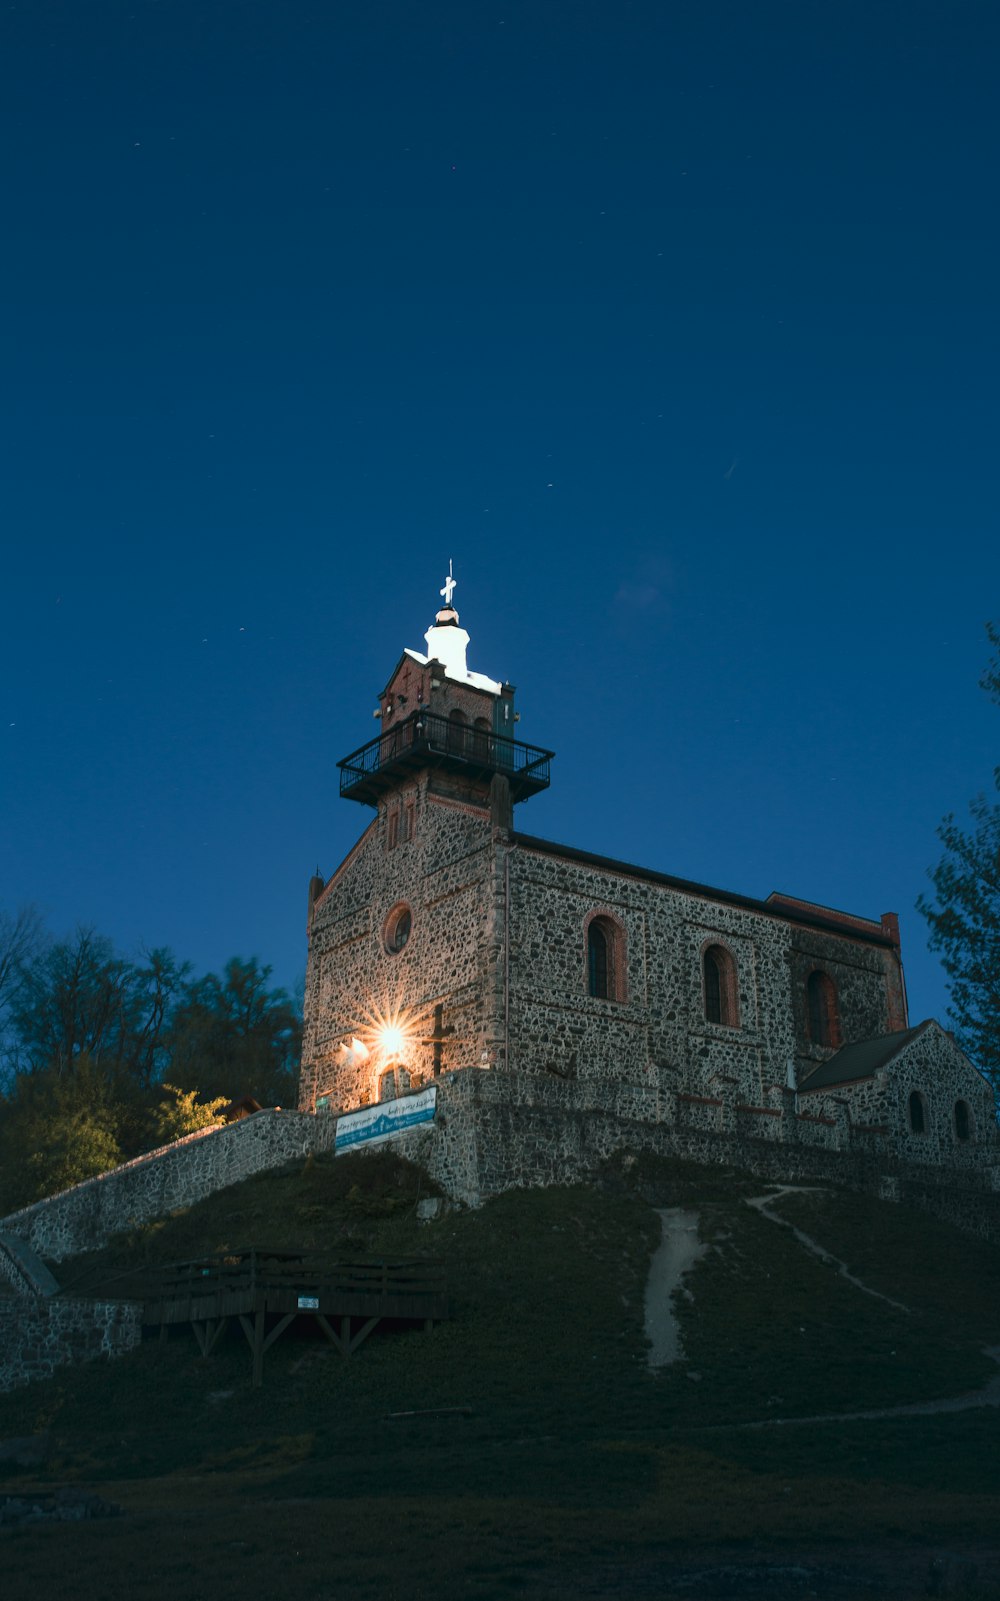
x=373, y=1124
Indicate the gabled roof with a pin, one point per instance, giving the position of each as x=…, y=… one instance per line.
x=802, y=913
x=861, y=1060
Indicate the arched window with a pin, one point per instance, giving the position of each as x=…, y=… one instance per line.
x=605, y=959
x=918, y=1113
x=597, y=960
x=457, y=722
x=387, y=1085
x=396, y=930
x=821, y=1009
x=481, y=739
x=963, y=1121
x=721, y=990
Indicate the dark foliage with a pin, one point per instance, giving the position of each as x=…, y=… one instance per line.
x=89, y=1037
x=964, y=913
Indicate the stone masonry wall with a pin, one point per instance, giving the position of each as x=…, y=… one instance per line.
x=84, y=1217
x=37, y=1337
x=658, y=1021
x=441, y=875
x=507, y=1131
x=934, y=1067
x=23, y=1269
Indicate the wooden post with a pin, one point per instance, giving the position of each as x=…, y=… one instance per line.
x=258, y=1348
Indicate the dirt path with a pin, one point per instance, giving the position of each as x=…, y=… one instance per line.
x=678, y=1250
x=762, y=1204
x=989, y=1395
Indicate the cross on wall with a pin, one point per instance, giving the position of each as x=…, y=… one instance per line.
x=438, y=1037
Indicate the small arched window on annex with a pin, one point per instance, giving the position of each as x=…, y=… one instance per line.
x=917, y=1111
x=963, y=1121
x=822, y=1012
x=457, y=731
x=720, y=986
x=605, y=952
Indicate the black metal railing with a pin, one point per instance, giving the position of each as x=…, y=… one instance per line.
x=446, y=738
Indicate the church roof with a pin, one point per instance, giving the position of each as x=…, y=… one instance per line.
x=788, y=911
x=477, y=680
x=861, y=1060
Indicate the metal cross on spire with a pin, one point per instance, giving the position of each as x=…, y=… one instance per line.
x=449, y=585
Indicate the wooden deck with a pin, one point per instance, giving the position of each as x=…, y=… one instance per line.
x=267, y=1291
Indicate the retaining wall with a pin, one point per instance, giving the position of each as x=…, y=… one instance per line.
x=498, y=1131
x=38, y=1336
x=84, y=1217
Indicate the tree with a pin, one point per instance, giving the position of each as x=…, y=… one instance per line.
x=964, y=913
x=234, y=1036
x=21, y=941
x=180, y=1112
x=77, y=996
x=90, y=1035
x=56, y=1130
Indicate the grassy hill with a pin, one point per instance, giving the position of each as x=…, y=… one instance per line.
x=572, y=1469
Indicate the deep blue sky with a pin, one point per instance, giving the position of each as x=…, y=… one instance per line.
x=675, y=325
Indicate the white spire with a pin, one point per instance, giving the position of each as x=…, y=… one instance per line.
x=447, y=642
x=449, y=585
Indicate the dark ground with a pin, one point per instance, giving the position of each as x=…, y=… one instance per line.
x=570, y=1469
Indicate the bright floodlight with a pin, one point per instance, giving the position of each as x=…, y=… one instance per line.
x=391, y=1040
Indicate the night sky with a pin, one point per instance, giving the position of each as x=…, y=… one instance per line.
x=674, y=325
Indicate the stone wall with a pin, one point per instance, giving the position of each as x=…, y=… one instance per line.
x=441, y=874
x=23, y=1270
x=39, y=1336
x=500, y=1131
x=933, y=1067
x=657, y=1018
x=83, y=1218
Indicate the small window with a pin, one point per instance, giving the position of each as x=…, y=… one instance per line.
x=918, y=1113
x=721, y=990
x=409, y=821
x=397, y=929
x=605, y=959
x=457, y=722
x=387, y=1085
x=597, y=961
x=481, y=739
x=963, y=1120
x=821, y=1009
x=392, y=835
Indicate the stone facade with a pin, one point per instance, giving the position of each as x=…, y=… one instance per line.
x=86, y=1216
x=953, y=1123
x=448, y=941
x=497, y=1131
x=37, y=1336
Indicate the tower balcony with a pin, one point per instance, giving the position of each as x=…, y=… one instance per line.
x=425, y=740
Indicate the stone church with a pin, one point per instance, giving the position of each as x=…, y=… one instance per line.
x=450, y=948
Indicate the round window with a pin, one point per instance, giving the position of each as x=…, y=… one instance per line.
x=397, y=929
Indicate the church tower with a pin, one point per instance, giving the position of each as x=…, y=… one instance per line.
x=441, y=720
x=404, y=965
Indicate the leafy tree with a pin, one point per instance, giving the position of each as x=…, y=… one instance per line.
x=180, y=1112
x=964, y=913
x=234, y=1036
x=77, y=997
x=56, y=1130
x=21, y=940
x=89, y=1036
